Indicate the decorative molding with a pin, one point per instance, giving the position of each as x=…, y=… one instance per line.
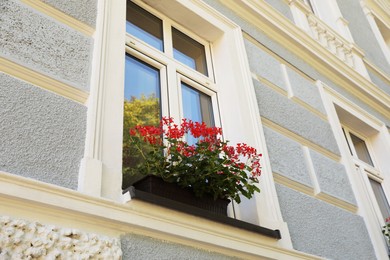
x=294, y=39
x=60, y=16
x=299, y=139
x=21, y=239
x=134, y=217
x=42, y=81
x=331, y=40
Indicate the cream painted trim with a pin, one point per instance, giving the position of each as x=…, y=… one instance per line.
x=278, y=28
x=280, y=179
x=309, y=108
x=33, y=200
x=301, y=5
x=268, y=123
x=377, y=70
x=341, y=100
x=337, y=202
x=380, y=8
x=43, y=81
x=310, y=191
x=60, y=16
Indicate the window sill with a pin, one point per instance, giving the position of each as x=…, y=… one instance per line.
x=171, y=204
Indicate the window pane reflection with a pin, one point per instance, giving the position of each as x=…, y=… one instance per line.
x=144, y=26
x=361, y=149
x=380, y=198
x=197, y=107
x=141, y=107
x=189, y=51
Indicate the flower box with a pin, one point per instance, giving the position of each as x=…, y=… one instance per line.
x=157, y=186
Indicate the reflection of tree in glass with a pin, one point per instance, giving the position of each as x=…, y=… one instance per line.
x=137, y=111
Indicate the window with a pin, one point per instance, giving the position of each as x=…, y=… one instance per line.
x=359, y=147
x=167, y=73
x=224, y=91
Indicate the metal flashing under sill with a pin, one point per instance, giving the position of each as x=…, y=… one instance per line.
x=171, y=204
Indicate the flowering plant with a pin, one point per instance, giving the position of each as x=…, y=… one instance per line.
x=386, y=229
x=208, y=166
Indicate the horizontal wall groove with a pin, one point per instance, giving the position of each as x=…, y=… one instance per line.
x=268, y=123
x=295, y=99
x=310, y=192
x=60, y=16
x=43, y=81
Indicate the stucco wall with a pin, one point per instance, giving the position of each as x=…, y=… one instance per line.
x=84, y=11
x=41, y=43
x=42, y=134
x=136, y=247
x=322, y=229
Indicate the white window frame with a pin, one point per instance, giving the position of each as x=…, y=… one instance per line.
x=171, y=98
x=374, y=132
x=100, y=171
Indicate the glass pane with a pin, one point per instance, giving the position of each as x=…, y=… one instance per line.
x=189, y=51
x=380, y=198
x=197, y=106
x=144, y=26
x=361, y=149
x=141, y=107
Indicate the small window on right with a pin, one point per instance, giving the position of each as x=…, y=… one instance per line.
x=358, y=147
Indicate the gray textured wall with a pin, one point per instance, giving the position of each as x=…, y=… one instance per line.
x=332, y=177
x=286, y=157
x=294, y=117
x=43, y=44
x=322, y=229
x=282, y=7
x=136, y=247
x=42, y=134
x=84, y=11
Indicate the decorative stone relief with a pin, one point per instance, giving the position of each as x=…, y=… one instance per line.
x=20, y=239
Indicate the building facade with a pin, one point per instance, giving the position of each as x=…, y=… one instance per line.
x=306, y=82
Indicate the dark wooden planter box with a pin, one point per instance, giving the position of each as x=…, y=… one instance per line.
x=154, y=190
x=156, y=186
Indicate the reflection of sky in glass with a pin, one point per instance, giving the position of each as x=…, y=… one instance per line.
x=191, y=104
x=144, y=36
x=141, y=79
x=191, y=108
x=187, y=60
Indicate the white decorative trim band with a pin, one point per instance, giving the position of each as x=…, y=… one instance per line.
x=20, y=239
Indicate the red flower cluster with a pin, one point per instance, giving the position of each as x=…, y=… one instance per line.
x=209, y=166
